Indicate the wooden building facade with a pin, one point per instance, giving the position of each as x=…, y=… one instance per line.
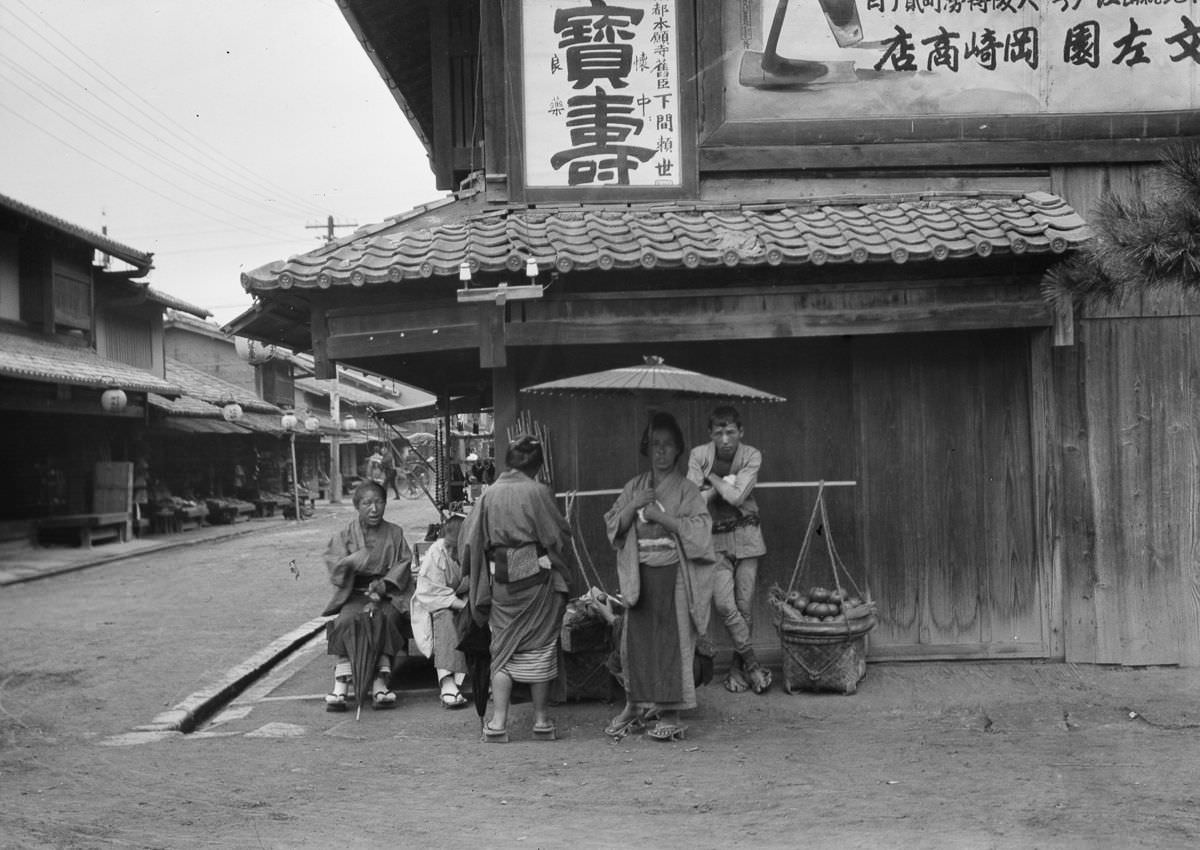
x=1027, y=475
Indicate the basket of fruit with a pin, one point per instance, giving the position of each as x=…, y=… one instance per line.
x=823, y=630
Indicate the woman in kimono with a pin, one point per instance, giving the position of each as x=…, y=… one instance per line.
x=662, y=532
x=368, y=561
x=513, y=545
x=442, y=595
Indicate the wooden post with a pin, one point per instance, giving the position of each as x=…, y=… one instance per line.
x=295, y=476
x=335, y=447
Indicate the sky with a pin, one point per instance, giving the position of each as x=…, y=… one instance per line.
x=217, y=135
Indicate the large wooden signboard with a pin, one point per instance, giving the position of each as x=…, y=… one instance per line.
x=607, y=99
x=824, y=72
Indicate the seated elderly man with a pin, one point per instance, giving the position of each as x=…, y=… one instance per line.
x=369, y=563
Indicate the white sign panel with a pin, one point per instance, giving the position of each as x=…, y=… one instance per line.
x=840, y=59
x=601, y=94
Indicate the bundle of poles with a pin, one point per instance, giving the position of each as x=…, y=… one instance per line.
x=525, y=424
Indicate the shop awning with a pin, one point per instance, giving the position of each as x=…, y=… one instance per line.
x=198, y=425
x=262, y=423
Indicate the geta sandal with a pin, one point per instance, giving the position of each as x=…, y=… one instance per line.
x=545, y=733
x=494, y=736
x=453, y=700
x=667, y=732
x=335, y=702
x=619, y=728
x=383, y=699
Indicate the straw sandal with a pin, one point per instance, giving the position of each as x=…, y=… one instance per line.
x=760, y=679
x=736, y=682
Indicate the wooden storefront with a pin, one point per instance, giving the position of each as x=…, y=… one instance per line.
x=1026, y=479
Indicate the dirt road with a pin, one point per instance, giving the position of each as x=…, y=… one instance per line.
x=925, y=755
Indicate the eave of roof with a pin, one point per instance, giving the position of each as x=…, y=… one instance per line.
x=200, y=384
x=346, y=392
x=34, y=359
x=434, y=240
x=142, y=260
x=160, y=297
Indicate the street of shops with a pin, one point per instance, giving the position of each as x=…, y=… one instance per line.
x=931, y=754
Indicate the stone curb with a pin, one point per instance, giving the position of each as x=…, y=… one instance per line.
x=202, y=704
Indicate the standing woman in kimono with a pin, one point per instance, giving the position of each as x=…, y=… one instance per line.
x=513, y=545
x=662, y=532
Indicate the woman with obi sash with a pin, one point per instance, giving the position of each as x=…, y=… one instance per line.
x=513, y=544
x=662, y=532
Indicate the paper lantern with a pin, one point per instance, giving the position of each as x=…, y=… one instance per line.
x=311, y=423
x=232, y=411
x=114, y=400
x=288, y=421
x=349, y=423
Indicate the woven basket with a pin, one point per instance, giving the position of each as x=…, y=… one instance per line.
x=822, y=656
x=829, y=665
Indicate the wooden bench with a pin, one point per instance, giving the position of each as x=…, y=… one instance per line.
x=87, y=528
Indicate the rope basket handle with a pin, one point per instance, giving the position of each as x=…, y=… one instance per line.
x=821, y=512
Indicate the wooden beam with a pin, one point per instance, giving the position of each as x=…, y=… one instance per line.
x=324, y=367
x=493, y=351
x=386, y=343
x=776, y=325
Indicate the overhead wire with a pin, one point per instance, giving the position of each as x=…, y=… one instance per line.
x=121, y=134
x=254, y=225
x=152, y=113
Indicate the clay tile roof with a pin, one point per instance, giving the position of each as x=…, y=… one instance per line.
x=209, y=388
x=185, y=405
x=35, y=359
x=437, y=238
x=134, y=257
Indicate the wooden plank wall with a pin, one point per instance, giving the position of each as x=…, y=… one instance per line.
x=934, y=427
x=947, y=494
x=808, y=438
x=1128, y=398
x=1130, y=402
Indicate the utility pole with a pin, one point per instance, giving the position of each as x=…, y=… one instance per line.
x=328, y=227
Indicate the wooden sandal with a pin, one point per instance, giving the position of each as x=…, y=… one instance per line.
x=618, y=729
x=667, y=732
x=545, y=733
x=494, y=736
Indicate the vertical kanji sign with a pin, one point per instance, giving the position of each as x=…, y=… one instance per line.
x=602, y=96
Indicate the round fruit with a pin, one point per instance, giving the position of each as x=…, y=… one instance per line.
x=837, y=595
x=818, y=594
